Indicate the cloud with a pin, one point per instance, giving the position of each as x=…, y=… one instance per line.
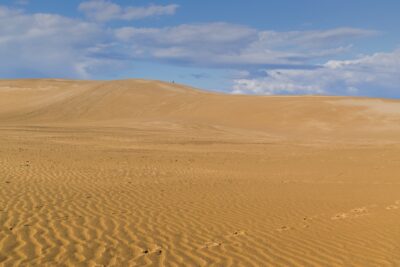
x=226, y=44
x=103, y=10
x=262, y=62
x=46, y=44
x=378, y=73
x=188, y=34
x=22, y=2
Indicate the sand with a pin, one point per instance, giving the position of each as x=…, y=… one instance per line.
x=146, y=173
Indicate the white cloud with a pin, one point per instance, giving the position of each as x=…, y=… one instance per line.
x=186, y=34
x=103, y=10
x=45, y=44
x=228, y=44
x=22, y=2
x=57, y=46
x=370, y=72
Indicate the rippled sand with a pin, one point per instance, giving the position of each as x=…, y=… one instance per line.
x=144, y=173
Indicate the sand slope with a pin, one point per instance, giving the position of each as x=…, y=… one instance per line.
x=146, y=173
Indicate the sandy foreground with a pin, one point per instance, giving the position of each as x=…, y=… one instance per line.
x=145, y=173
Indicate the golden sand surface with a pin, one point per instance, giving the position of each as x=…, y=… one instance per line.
x=146, y=173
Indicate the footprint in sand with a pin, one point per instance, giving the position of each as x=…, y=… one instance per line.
x=237, y=233
x=153, y=250
x=354, y=213
x=284, y=228
x=339, y=216
x=359, y=212
x=307, y=220
x=212, y=244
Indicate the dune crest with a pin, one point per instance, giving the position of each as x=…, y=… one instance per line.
x=130, y=102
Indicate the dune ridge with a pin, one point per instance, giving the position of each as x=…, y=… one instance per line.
x=148, y=173
x=130, y=102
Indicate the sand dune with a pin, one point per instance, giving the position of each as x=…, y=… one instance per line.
x=147, y=173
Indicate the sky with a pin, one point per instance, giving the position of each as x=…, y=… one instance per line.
x=330, y=47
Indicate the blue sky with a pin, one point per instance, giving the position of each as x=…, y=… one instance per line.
x=333, y=47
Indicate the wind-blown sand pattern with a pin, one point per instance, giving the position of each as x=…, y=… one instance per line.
x=145, y=173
